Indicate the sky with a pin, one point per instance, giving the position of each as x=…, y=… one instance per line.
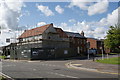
x=94, y=18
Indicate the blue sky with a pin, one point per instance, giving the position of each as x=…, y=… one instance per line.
x=94, y=18
x=69, y=13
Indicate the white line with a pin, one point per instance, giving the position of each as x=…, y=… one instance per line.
x=62, y=75
x=5, y=75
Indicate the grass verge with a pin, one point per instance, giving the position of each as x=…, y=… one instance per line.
x=1, y=78
x=2, y=57
x=113, y=53
x=114, y=60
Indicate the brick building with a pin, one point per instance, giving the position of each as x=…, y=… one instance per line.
x=96, y=44
x=48, y=42
x=76, y=41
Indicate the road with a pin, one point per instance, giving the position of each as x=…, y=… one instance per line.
x=47, y=69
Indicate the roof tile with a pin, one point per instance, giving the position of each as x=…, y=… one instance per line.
x=35, y=31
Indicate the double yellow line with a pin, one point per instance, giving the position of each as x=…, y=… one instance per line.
x=68, y=65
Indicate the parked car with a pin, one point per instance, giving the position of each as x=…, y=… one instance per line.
x=7, y=57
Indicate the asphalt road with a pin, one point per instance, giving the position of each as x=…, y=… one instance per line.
x=47, y=69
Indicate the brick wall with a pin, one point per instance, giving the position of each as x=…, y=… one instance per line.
x=93, y=43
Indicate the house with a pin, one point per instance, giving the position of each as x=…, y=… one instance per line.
x=47, y=42
x=76, y=41
x=96, y=45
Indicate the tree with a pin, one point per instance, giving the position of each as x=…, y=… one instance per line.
x=112, y=40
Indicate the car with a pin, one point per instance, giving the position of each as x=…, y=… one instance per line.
x=7, y=57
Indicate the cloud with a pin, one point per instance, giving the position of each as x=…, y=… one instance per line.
x=113, y=17
x=45, y=10
x=41, y=23
x=95, y=29
x=90, y=29
x=79, y=3
x=72, y=20
x=8, y=34
x=99, y=7
x=10, y=13
x=91, y=7
x=59, y=9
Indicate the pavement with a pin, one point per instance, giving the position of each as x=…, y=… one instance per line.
x=91, y=65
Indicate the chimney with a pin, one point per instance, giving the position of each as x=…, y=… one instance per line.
x=25, y=30
x=51, y=24
x=82, y=33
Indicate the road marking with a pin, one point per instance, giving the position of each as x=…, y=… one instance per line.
x=69, y=65
x=51, y=65
x=34, y=61
x=62, y=75
x=6, y=76
x=77, y=64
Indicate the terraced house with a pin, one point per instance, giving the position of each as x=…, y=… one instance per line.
x=48, y=42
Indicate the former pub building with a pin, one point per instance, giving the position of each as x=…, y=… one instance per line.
x=48, y=42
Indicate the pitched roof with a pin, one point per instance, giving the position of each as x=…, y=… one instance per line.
x=71, y=34
x=61, y=33
x=93, y=38
x=35, y=31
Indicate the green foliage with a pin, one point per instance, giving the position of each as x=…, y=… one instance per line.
x=113, y=53
x=112, y=40
x=2, y=57
x=114, y=60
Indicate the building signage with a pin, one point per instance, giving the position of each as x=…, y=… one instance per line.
x=34, y=53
